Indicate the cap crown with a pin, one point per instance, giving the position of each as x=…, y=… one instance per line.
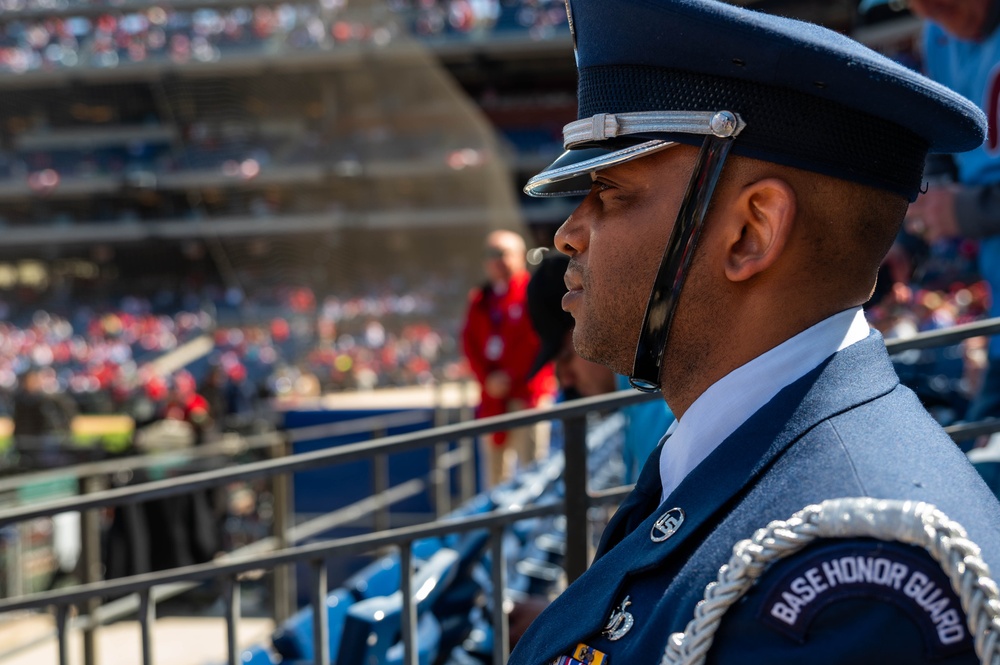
x=811, y=98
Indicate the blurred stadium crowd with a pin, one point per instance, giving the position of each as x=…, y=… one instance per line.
x=298, y=344
x=923, y=288
x=161, y=33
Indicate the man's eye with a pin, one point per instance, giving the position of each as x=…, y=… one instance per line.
x=601, y=186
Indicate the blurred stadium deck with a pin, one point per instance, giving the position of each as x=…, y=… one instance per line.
x=176, y=640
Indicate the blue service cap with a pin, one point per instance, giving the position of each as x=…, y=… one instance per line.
x=653, y=73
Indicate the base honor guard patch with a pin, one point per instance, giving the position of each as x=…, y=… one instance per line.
x=880, y=571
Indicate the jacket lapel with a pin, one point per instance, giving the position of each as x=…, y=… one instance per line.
x=640, y=502
x=856, y=375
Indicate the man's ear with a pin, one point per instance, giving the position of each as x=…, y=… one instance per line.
x=762, y=216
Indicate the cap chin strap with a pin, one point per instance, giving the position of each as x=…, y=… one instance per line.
x=675, y=263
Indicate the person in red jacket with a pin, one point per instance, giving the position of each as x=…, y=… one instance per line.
x=185, y=403
x=501, y=346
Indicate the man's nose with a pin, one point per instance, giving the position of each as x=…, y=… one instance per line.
x=571, y=236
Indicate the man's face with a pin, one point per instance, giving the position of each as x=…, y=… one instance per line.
x=615, y=240
x=502, y=258
x=964, y=19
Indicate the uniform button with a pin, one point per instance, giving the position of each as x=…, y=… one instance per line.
x=667, y=525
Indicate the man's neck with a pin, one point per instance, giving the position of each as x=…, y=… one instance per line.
x=737, y=343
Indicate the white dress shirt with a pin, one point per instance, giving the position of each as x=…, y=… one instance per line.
x=731, y=400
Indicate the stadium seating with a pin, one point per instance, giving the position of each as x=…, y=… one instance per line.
x=372, y=626
x=452, y=583
x=257, y=655
x=293, y=639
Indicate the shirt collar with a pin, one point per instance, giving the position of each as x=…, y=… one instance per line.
x=727, y=403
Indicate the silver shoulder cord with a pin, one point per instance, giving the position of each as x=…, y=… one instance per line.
x=911, y=522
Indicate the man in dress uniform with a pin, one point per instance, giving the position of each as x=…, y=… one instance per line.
x=743, y=176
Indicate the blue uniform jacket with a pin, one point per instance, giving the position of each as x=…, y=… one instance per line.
x=847, y=428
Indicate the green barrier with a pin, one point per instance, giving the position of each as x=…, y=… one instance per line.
x=45, y=490
x=111, y=433
x=116, y=442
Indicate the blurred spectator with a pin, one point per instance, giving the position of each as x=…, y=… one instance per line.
x=185, y=404
x=962, y=51
x=213, y=390
x=238, y=396
x=42, y=419
x=501, y=346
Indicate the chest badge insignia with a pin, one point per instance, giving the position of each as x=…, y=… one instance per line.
x=667, y=525
x=620, y=621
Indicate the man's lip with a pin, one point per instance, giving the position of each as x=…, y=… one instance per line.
x=571, y=297
x=573, y=283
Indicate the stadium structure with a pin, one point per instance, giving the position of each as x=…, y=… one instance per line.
x=149, y=147
x=234, y=145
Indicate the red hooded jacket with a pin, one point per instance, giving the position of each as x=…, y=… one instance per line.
x=498, y=335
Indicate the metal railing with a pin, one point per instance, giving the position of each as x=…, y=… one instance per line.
x=91, y=477
x=231, y=569
x=573, y=415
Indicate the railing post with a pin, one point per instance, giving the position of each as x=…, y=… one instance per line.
x=232, y=600
x=147, y=617
x=501, y=627
x=467, y=476
x=441, y=480
x=15, y=560
x=409, y=618
x=577, y=500
x=62, y=630
x=321, y=623
x=441, y=475
x=90, y=553
x=380, y=483
x=284, y=578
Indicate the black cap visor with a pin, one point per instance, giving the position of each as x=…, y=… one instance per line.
x=570, y=174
